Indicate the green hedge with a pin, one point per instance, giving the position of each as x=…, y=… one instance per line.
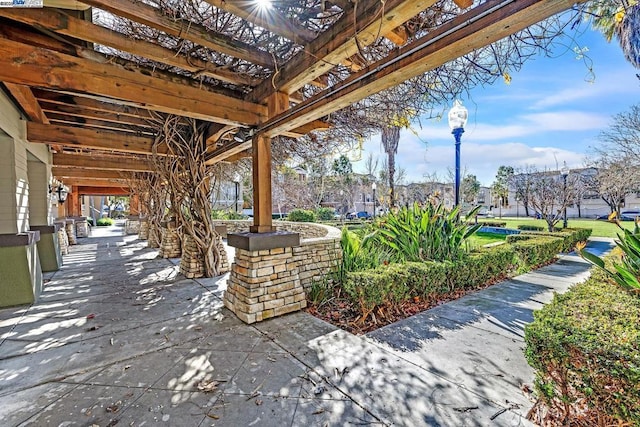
x=569, y=237
x=301, y=215
x=585, y=348
x=536, y=251
x=103, y=222
x=528, y=227
x=394, y=283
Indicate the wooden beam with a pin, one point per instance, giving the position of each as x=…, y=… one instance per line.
x=398, y=36
x=102, y=191
x=271, y=20
x=200, y=35
x=340, y=42
x=24, y=64
x=62, y=23
x=309, y=127
x=103, y=162
x=71, y=172
x=481, y=26
x=28, y=102
x=65, y=120
x=89, y=138
x=59, y=98
x=94, y=182
x=86, y=113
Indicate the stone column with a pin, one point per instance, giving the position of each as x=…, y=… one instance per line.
x=170, y=247
x=143, y=234
x=264, y=281
x=132, y=225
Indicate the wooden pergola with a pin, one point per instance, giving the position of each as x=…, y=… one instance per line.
x=88, y=90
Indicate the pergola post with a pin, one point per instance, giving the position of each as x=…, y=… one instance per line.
x=261, y=145
x=264, y=280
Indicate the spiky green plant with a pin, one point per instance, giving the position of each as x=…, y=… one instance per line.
x=425, y=233
x=627, y=273
x=358, y=253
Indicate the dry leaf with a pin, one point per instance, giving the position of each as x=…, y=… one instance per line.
x=207, y=386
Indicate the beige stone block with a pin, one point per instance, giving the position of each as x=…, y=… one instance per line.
x=265, y=271
x=289, y=300
x=300, y=297
x=246, y=317
x=273, y=304
x=287, y=309
x=267, y=314
x=267, y=297
x=262, y=252
x=276, y=251
x=281, y=287
x=288, y=293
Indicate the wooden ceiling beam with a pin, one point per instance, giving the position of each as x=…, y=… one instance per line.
x=24, y=64
x=70, y=136
x=66, y=120
x=102, y=162
x=85, y=104
x=152, y=17
x=272, y=20
x=479, y=27
x=85, y=113
x=71, y=172
x=102, y=191
x=61, y=23
x=95, y=182
x=339, y=43
x=24, y=96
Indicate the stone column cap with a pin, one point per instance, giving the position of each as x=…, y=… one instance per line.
x=46, y=229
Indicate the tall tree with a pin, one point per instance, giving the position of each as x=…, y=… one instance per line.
x=549, y=196
x=470, y=188
x=500, y=187
x=390, y=138
x=619, y=18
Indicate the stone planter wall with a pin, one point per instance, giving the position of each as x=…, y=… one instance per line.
x=307, y=230
x=191, y=262
x=71, y=231
x=132, y=226
x=272, y=282
x=264, y=284
x=63, y=239
x=81, y=226
x=143, y=232
x=171, y=246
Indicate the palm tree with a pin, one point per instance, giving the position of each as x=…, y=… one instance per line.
x=390, y=140
x=620, y=18
x=628, y=33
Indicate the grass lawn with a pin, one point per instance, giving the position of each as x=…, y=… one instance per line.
x=600, y=228
x=480, y=239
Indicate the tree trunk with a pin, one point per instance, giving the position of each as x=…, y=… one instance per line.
x=390, y=138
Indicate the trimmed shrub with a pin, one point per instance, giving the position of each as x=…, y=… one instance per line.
x=569, y=236
x=536, y=250
x=325, y=214
x=585, y=348
x=527, y=227
x=301, y=215
x=90, y=221
x=103, y=222
x=395, y=283
x=492, y=224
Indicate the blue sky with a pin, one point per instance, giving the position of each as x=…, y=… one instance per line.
x=553, y=111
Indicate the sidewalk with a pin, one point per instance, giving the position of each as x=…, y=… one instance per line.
x=118, y=338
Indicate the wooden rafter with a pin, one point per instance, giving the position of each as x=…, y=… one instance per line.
x=96, y=182
x=150, y=16
x=87, y=113
x=88, y=138
x=90, y=105
x=126, y=128
x=24, y=64
x=482, y=25
x=338, y=43
x=61, y=23
x=71, y=172
x=24, y=96
x=107, y=191
x=106, y=163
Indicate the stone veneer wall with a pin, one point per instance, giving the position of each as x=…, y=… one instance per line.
x=192, y=264
x=63, y=239
x=272, y=282
x=132, y=226
x=307, y=230
x=171, y=246
x=143, y=233
x=71, y=231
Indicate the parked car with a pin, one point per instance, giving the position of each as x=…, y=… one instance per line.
x=629, y=215
x=359, y=215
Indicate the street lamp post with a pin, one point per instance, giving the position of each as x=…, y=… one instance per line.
x=373, y=188
x=457, y=120
x=236, y=181
x=565, y=173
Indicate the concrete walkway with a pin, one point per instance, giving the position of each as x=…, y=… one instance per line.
x=118, y=338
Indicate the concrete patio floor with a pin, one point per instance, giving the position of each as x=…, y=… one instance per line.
x=119, y=338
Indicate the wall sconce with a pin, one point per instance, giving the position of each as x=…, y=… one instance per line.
x=61, y=192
